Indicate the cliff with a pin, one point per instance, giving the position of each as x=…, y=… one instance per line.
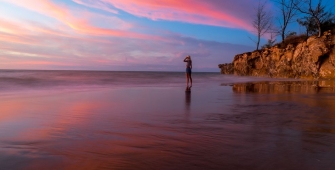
x=313, y=58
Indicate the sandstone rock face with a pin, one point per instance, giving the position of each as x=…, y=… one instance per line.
x=311, y=59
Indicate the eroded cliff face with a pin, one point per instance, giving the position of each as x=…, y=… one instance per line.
x=311, y=59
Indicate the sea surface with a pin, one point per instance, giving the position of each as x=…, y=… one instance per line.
x=146, y=120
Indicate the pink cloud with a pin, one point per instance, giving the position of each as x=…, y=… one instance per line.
x=208, y=12
x=96, y=4
x=114, y=53
x=74, y=41
x=10, y=27
x=79, y=24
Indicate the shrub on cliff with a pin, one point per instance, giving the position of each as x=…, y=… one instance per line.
x=292, y=39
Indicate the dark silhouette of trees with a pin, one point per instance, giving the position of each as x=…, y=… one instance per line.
x=327, y=22
x=262, y=22
x=287, y=14
x=316, y=15
x=309, y=25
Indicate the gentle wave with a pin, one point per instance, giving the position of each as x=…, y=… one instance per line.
x=39, y=79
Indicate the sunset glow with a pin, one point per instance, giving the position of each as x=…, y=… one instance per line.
x=129, y=35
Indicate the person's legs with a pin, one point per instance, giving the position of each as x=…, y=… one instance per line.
x=187, y=78
x=190, y=77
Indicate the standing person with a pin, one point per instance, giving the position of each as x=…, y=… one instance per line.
x=188, y=72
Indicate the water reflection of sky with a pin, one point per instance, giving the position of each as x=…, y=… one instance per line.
x=156, y=127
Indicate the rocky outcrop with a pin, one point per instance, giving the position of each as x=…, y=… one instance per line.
x=310, y=59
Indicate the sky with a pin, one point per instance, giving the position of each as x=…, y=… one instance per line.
x=124, y=35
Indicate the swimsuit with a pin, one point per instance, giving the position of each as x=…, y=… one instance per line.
x=188, y=66
x=188, y=70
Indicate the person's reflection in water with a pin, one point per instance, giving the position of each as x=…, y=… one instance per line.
x=187, y=101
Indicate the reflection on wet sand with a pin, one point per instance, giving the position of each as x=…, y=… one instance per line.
x=281, y=87
x=145, y=128
x=187, y=103
x=188, y=100
x=308, y=102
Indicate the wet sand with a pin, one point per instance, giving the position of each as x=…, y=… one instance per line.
x=264, y=125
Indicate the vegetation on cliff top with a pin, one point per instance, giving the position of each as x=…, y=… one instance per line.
x=315, y=16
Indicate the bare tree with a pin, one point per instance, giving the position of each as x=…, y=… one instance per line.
x=316, y=13
x=288, y=13
x=309, y=25
x=262, y=22
x=271, y=40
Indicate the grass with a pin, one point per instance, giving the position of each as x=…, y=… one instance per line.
x=294, y=40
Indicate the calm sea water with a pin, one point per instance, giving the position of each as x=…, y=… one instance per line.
x=35, y=80
x=146, y=120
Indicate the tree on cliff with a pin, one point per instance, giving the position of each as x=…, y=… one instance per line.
x=287, y=12
x=271, y=41
x=315, y=17
x=307, y=22
x=327, y=23
x=262, y=22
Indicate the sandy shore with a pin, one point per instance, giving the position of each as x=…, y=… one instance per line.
x=213, y=127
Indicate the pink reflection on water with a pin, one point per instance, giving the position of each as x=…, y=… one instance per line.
x=164, y=127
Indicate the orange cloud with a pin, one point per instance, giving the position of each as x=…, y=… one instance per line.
x=14, y=39
x=10, y=27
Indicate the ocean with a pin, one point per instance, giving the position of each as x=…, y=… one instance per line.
x=146, y=120
x=34, y=80
x=48, y=79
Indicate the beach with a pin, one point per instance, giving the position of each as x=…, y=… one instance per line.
x=146, y=120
